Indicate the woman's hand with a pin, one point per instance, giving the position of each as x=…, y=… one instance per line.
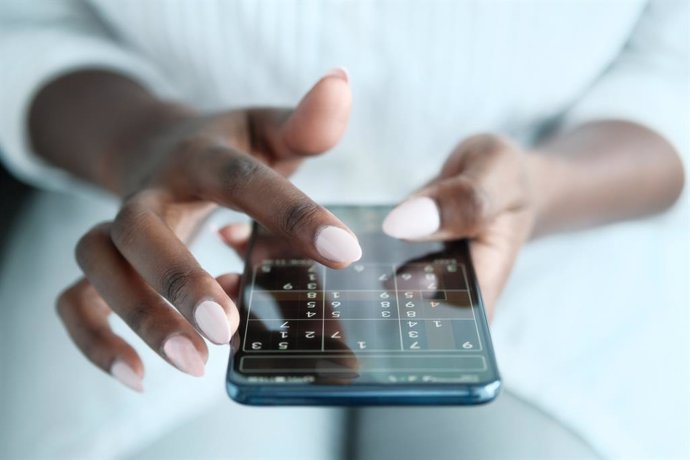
x=139, y=266
x=483, y=193
x=499, y=196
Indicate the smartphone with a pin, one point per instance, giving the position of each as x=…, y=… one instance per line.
x=405, y=325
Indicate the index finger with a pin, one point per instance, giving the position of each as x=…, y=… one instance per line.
x=237, y=180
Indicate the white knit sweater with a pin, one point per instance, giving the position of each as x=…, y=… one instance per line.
x=424, y=75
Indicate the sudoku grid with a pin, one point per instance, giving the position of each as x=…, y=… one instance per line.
x=367, y=307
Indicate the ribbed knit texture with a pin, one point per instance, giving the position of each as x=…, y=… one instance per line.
x=425, y=74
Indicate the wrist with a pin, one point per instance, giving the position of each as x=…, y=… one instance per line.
x=546, y=178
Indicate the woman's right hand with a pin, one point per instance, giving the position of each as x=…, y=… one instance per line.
x=138, y=265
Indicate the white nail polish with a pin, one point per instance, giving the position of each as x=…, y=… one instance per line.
x=337, y=245
x=339, y=72
x=212, y=321
x=415, y=218
x=126, y=375
x=241, y=232
x=184, y=355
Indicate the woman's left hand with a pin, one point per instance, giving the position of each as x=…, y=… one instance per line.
x=483, y=193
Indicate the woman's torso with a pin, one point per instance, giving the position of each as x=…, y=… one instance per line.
x=424, y=74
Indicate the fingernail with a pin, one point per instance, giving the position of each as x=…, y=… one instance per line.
x=126, y=375
x=414, y=218
x=212, y=321
x=240, y=232
x=184, y=355
x=337, y=245
x=339, y=72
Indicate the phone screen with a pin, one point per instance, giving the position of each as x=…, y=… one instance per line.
x=407, y=313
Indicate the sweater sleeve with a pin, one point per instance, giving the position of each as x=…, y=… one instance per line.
x=649, y=82
x=39, y=42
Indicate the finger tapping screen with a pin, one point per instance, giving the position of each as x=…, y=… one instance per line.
x=406, y=312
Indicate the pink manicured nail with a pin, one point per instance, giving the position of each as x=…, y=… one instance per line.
x=184, y=355
x=212, y=321
x=239, y=232
x=337, y=245
x=414, y=218
x=339, y=72
x=126, y=375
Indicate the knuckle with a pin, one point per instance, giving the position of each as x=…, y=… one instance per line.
x=298, y=216
x=84, y=249
x=192, y=145
x=483, y=141
x=472, y=205
x=151, y=322
x=96, y=345
x=137, y=316
x=176, y=283
x=90, y=243
x=485, y=145
x=64, y=303
x=476, y=202
x=127, y=225
x=91, y=347
x=237, y=170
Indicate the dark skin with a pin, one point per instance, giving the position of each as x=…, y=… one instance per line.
x=172, y=166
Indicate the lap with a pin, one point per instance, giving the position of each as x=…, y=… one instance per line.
x=508, y=428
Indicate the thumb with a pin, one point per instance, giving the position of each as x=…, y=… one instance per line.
x=450, y=209
x=319, y=121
